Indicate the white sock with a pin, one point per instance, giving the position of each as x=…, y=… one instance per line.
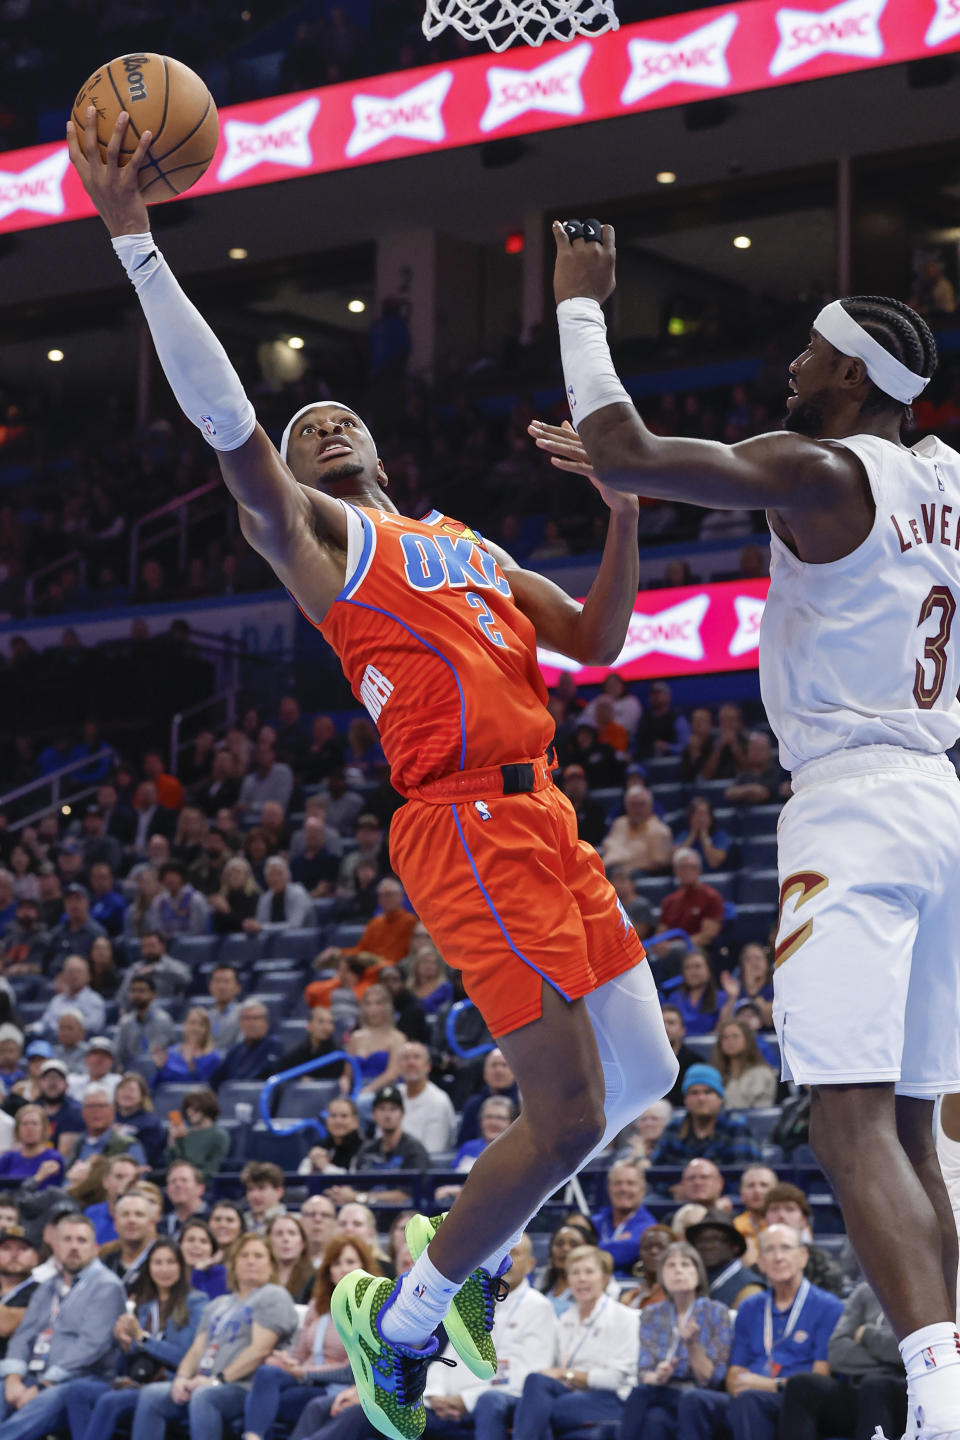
x=493, y=1262
x=424, y=1299
x=931, y=1358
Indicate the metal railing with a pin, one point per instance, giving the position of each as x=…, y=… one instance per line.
x=55, y=781
x=176, y=514
x=307, y=1122
x=63, y=562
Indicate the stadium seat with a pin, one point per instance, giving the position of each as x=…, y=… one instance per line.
x=663, y=770
x=235, y=1092
x=284, y=1150
x=701, y=1044
x=193, y=950
x=170, y=1097
x=291, y=1032
x=762, y=1122
x=826, y=1216
x=758, y=887
x=759, y=852
x=724, y=881
x=669, y=797
x=653, y=887
x=345, y=935
x=305, y=1099
x=759, y=819
x=303, y=944
x=239, y=950
x=275, y=1001
x=752, y=923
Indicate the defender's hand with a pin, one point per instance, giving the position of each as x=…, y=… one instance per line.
x=567, y=452
x=583, y=267
x=114, y=189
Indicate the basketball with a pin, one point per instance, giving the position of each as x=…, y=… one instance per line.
x=168, y=99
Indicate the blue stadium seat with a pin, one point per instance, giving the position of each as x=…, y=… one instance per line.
x=284, y=1150
x=300, y=944
x=723, y=880
x=663, y=769
x=826, y=1216
x=324, y=909
x=290, y=1032
x=653, y=887
x=669, y=797
x=759, y=852
x=239, y=950
x=752, y=923
x=712, y=790
x=759, y=819
x=193, y=950
x=702, y=1045
x=306, y=1100
x=835, y=1245
x=762, y=1122
x=758, y=887
x=345, y=934
x=276, y=1002
x=236, y=1091
x=170, y=1097
x=610, y=797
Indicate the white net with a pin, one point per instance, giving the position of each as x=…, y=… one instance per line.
x=501, y=22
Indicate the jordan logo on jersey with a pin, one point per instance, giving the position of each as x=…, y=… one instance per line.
x=375, y=691
x=463, y=532
x=432, y=561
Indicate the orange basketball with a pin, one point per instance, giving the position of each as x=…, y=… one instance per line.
x=168, y=99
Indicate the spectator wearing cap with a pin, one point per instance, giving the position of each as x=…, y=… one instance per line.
x=75, y=993
x=99, y=848
x=145, y=1027
x=24, y=947
x=171, y=977
x=721, y=1247
x=369, y=847
x=621, y=1223
x=64, y=1114
x=75, y=932
x=70, y=1047
x=101, y=1136
x=270, y=779
x=66, y=1333
x=428, y=1111
x=32, y=1162
x=179, y=909
x=18, y=1256
x=37, y=1052
x=591, y=815
x=108, y=904
x=255, y=1055
x=284, y=903
x=391, y=1149
x=69, y=862
x=786, y=1204
x=121, y=1173
x=694, y=907
x=782, y=1333
x=703, y=1130
x=11, y=1056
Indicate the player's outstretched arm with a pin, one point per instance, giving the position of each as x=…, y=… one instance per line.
x=777, y=471
x=275, y=514
x=592, y=633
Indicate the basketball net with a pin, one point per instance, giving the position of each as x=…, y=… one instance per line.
x=500, y=22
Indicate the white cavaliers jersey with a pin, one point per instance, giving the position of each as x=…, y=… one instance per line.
x=866, y=650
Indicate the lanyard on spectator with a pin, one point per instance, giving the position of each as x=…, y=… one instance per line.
x=792, y=1318
x=674, y=1345
x=585, y=1333
x=724, y=1275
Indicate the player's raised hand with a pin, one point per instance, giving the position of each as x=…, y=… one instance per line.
x=566, y=451
x=584, y=267
x=113, y=188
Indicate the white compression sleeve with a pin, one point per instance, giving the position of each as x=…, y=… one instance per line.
x=207, y=387
x=590, y=379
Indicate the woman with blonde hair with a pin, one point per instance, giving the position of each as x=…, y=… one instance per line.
x=135, y=1114
x=236, y=900
x=429, y=979
x=377, y=1043
x=748, y=1081
x=194, y=1059
x=31, y=1162
x=148, y=887
x=317, y=1363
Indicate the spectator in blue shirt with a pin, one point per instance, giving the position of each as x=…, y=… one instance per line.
x=255, y=1055
x=122, y=1172
x=621, y=1223
x=74, y=933
x=751, y=980
x=684, y=1340
x=108, y=904
x=710, y=842
x=704, y=1131
x=782, y=1333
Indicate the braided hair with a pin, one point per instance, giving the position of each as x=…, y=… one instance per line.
x=900, y=330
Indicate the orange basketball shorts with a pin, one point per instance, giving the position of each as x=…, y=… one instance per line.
x=513, y=899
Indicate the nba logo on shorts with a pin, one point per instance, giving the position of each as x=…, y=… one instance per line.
x=928, y=1358
x=482, y=809
x=207, y=422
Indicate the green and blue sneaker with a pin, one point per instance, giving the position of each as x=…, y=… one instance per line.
x=389, y=1377
x=470, y=1321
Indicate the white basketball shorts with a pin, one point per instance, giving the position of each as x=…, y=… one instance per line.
x=867, y=968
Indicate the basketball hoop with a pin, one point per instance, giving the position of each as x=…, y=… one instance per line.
x=500, y=22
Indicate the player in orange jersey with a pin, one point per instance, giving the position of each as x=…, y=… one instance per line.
x=437, y=630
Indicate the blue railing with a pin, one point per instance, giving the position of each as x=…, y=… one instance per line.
x=308, y=1122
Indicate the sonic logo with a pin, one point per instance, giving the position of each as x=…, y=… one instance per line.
x=851, y=28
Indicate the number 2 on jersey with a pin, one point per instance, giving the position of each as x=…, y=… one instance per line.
x=485, y=619
x=935, y=648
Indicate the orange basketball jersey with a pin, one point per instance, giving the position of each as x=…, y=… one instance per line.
x=434, y=646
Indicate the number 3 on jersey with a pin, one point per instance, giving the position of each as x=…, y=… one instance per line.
x=485, y=618
x=927, y=693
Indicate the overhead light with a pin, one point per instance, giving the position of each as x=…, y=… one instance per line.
x=237, y=252
x=65, y=810
x=665, y=177
x=55, y=355
x=742, y=242
x=356, y=307
x=296, y=342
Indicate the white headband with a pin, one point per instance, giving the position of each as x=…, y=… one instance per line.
x=885, y=370
x=285, y=438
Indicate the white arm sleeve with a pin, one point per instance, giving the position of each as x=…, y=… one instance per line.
x=207, y=387
x=590, y=379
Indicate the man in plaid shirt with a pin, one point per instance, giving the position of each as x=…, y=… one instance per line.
x=704, y=1131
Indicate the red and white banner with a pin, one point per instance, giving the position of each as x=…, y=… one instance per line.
x=690, y=630
x=751, y=45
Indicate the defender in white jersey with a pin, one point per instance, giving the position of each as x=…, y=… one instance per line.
x=860, y=669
